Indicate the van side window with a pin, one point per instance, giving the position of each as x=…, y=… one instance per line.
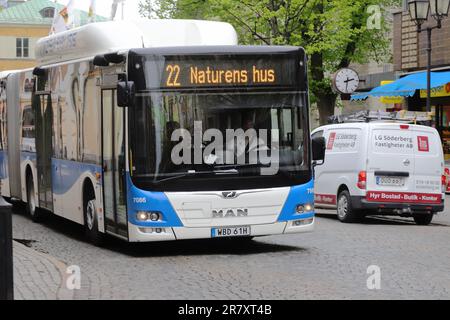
x=317, y=134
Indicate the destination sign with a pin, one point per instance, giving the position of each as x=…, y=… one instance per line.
x=221, y=72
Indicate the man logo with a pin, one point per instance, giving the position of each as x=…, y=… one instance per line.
x=229, y=213
x=229, y=194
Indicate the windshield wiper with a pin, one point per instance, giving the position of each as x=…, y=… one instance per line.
x=195, y=173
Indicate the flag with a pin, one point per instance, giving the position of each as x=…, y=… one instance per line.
x=114, y=8
x=3, y=4
x=63, y=19
x=92, y=11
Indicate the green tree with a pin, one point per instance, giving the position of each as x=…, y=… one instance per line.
x=334, y=33
x=175, y=9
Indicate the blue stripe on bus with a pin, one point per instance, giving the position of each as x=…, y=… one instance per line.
x=140, y=200
x=302, y=194
x=65, y=173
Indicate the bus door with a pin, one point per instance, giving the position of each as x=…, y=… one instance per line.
x=42, y=104
x=113, y=153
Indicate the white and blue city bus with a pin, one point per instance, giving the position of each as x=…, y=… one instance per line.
x=115, y=126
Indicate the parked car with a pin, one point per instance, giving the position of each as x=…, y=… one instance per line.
x=381, y=168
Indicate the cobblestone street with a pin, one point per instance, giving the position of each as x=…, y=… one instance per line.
x=330, y=263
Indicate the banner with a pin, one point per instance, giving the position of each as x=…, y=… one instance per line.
x=442, y=91
x=64, y=19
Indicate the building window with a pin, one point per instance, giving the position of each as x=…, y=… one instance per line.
x=22, y=47
x=48, y=12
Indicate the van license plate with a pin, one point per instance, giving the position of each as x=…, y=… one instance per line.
x=390, y=181
x=230, y=232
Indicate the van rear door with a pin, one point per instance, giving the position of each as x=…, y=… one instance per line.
x=390, y=162
x=429, y=162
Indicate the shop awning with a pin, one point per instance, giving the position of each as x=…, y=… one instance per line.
x=406, y=86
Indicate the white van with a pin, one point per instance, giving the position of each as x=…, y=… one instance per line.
x=381, y=168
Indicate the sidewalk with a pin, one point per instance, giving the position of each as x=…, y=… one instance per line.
x=38, y=276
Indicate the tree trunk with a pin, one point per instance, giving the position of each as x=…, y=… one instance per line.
x=325, y=105
x=326, y=98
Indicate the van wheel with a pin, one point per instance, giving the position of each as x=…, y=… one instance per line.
x=345, y=212
x=423, y=219
x=91, y=222
x=32, y=209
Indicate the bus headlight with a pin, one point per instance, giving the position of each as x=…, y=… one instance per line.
x=302, y=208
x=142, y=216
x=148, y=216
x=154, y=216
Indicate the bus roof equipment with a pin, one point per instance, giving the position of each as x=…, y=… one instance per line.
x=93, y=39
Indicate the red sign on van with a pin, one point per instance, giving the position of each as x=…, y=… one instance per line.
x=403, y=197
x=331, y=140
x=422, y=142
x=325, y=198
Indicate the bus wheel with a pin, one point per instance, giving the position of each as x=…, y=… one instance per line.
x=423, y=219
x=345, y=212
x=32, y=209
x=91, y=222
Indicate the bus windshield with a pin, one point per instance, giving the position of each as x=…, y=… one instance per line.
x=211, y=119
x=219, y=141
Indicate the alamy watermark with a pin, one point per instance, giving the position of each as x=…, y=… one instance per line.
x=73, y=281
x=374, y=279
x=374, y=20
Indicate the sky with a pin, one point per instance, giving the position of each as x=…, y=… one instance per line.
x=131, y=10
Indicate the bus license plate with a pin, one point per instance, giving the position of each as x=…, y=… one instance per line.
x=390, y=181
x=230, y=232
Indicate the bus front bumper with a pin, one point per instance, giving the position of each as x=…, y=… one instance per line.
x=141, y=234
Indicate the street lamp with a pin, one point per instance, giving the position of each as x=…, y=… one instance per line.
x=439, y=9
x=418, y=10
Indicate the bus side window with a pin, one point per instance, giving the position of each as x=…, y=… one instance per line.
x=28, y=128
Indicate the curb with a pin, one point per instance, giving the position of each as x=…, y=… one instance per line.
x=62, y=292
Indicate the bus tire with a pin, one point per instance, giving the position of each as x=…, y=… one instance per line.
x=345, y=211
x=32, y=209
x=423, y=219
x=91, y=219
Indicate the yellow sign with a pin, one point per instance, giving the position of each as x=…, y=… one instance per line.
x=442, y=91
x=390, y=100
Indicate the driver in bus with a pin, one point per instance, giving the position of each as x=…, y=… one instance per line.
x=242, y=147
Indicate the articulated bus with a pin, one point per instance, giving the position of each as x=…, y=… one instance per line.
x=161, y=130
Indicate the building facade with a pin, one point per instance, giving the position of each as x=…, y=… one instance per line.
x=373, y=74
x=21, y=26
x=410, y=55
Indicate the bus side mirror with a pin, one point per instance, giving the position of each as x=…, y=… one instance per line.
x=318, y=149
x=125, y=93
